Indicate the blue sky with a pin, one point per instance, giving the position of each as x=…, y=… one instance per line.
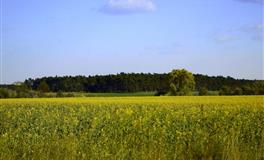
x=69, y=37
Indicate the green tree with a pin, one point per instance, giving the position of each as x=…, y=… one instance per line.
x=43, y=87
x=259, y=87
x=238, y=91
x=181, y=82
x=203, y=91
x=249, y=90
x=4, y=93
x=226, y=90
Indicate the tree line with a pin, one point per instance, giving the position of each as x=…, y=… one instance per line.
x=136, y=82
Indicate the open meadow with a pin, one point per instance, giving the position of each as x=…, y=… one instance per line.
x=133, y=128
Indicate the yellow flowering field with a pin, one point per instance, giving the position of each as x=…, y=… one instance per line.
x=133, y=128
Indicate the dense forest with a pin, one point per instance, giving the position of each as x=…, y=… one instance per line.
x=130, y=82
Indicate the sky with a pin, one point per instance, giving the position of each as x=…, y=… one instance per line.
x=87, y=37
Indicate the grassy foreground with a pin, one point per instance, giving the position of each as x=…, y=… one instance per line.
x=133, y=128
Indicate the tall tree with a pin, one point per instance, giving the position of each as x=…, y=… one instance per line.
x=181, y=82
x=43, y=87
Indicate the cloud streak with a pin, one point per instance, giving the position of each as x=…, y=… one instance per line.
x=252, y=1
x=128, y=6
x=223, y=38
x=254, y=32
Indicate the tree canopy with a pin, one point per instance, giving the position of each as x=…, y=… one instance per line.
x=128, y=83
x=181, y=82
x=135, y=82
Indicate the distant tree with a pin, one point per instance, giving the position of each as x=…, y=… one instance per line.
x=203, y=91
x=226, y=90
x=259, y=85
x=249, y=90
x=160, y=92
x=132, y=82
x=238, y=91
x=4, y=93
x=181, y=82
x=43, y=87
x=29, y=83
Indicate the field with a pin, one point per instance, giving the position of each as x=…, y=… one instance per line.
x=133, y=128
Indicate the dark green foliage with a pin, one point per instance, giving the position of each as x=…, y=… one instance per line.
x=259, y=86
x=129, y=83
x=214, y=83
x=43, y=87
x=255, y=88
x=120, y=83
x=238, y=91
x=226, y=90
x=203, y=91
x=249, y=90
x=4, y=93
x=138, y=82
x=160, y=92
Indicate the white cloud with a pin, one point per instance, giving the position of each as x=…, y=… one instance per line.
x=128, y=6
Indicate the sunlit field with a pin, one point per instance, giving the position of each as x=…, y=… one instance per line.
x=133, y=128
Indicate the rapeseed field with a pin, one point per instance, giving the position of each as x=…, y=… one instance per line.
x=150, y=128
